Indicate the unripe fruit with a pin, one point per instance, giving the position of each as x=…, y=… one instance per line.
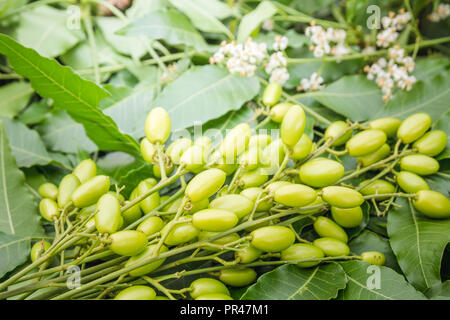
x=253, y=178
x=272, y=156
x=128, y=242
x=432, y=143
x=168, y=169
x=176, y=149
x=432, y=204
x=203, y=235
x=157, y=126
x=197, y=206
x=48, y=209
x=66, y=187
x=295, y=195
x=252, y=195
x=377, y=186
x=85, y=170
x=150, y=202
x=278, y=111
x=237, y=277
x=274, y=186
x=321, y=172
x=38, y=249
x=89, y=192
x=248, y=254
x=420, y=164
x=388, y=125
x=302, y=149
x=411, y=182
x=347, y=217
x=48, y=190
x=205, y=286
x=236, y=203
x=272, y=238
x=328, y=228
x=371, y=158
x=336, y=129
x=193, y=158
x=148, y=150
x=300, y=251
x=235, y=142
x=250, y=158
x=144, y=255
x=108, y=218
x=259, y=141
x=214, y=296
x=318, y=201
x=214, y=220
x=180, y=233
x=332, y=247
x=173, y=206
x=204, y=142
x=413, y=127
x=272, y=94
x=365, y=142
x=134, y=213
x=136, y=293
x=151, y=225
x=373, y=257
x=293, y=126
x=205, y=184
x=342, y=197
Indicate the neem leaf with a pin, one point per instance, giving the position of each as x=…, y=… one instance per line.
x=14, y=251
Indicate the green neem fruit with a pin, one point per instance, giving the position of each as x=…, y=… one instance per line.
x=380, y=154
x=302, y=149
x=89, y=192
x=373, y=257
x=38, y=249
x=108, y=218
x=85, y=170
x=295, y=195
x=173, y=206
x=300, y=251
x=235, y=142
x=214, y=220
x=67, y=186
x=252, y=194
x=237, y=277
x=335, y=130
x=250, y=158
x=236, y=203
x=377, y=186
x=204, y=142
x=150, y=202
x=342, y=197
x=274, y=186
x=388, y=125
x=205, y=184
x=136, y=293
x=365, y=142
x=193, y=158
x=128, y=242
x=420, y=164
x=120, y=197
x=432, y=204
x=321, y=172
x=228, y=168
x=253, y=178
x=197, y=206
x=347, y=217
x=151, y=225
x=132, y=214
x=332, y=247
x=432, y=143
x=413, y=127
x=48, y=209
x=293, y=126
x=157, y=126
x=180, y=233
x=86, y=212
x=318, y=201
x=148, y=150
x=278, y=111
x=232, y=237
x=205, y=286
x=259, y=141
x=411, y=182
x=272, y=94
x=48, y=190
x=144, y=255
x=328, y=228
x=176, y=149
x=168, y=168
x=248, y=254
x=272, y=238
x=273, y=155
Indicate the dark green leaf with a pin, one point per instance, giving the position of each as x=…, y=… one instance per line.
x=14, y=97
x=14, y=251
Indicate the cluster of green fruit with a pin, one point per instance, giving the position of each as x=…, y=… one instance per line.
x=269, y=179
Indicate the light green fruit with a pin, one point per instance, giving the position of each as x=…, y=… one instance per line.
x=48, y=190
x=254, y=178
x=148, y=150
x=293, y=126
x=373, y=257
x=89, y=192
x=318, y=201
x=365, y=142
x=67, y=186
x=193, y=158
x=133, y=213
x=295, y=195
x=432, y=143
x=250, y=159
x=176, y=149
x=302, y=251
x=85, y=170
x=388, y=125
x=328, y=228
x=168, y=169
x=273, y=156
x=274, y=186
x=411, y=182
x=371, y=158
x=347, y=217
x=145, y=255
x=332, y=247
x=377, y=186
x=203, y=235
x=259, y=141
x=38, y=249
x=197, y=206
x=272, y=94
x=136, y=293
x=342, y=197
x=204, y=142
x=204, y=286
x=205, y=184
x=238, y=277
x=238, y=204
x=151, y=225
x=278, y=111
x=180, y=233
x=321, y=172
x=303, y=148
x=432, y=204
x=414, y=127
x=153, y=200
x=337, y=129
x=157, y=126
x=272, y=238
x=420, y=164
x=128, y=242
x=214, y=220
x=108, y=218
x=252, y=194
x=248, y=254
x=235, y=142
x=48, y=209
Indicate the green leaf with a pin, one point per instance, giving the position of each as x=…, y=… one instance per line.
x=14, y=251
x=14, y=97
x=18, y=210
x=362, y=284
x=253, y=19
x=429, y=67
x=70, y=92
x=170, y=26
x=140, y=8
x=35, y=113
x=440, y=291
x=204, y=14
x=290, y=282
x=418, y=243
x=205, y=93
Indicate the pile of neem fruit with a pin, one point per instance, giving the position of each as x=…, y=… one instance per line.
x=239, y=207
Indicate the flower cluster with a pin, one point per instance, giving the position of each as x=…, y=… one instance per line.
x=312, y=84
x=441, y=13
x=246, y=58
x=392, y=74
x=171, y=73
x=330, y=41
x=391, y=25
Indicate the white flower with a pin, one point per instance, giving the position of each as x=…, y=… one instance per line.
x=441, y=13
x=280, y=75
x=280, y=43
x=329, y=41
x=312, y=84
x=386, y=37
x=268, y=25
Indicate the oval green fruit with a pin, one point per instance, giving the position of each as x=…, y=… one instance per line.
x=388, y=125
x=318, y=201
x=371, y=158
x=377, y=186
x=235, y=142
x=204, y=142
x=108, y=218
x=272, y=94
x=272, y=238
x=237, y=277
x=136, y=293
x=152, y=201
x=337, y=129
x=365, y=142
x=342, y=197
x=254, y=178
x=151, y=225
x=347, y=217
x=48, y=209
x=89, y=192
x=176, y=149
x=303, y=148
x=321, y=172
x=85, y=170
x=67, y=186
x=236, y=203
x=300, y=251
x=278, y=111
x=411, y=182
x=193, y=158
x=248, y=254
x=293, y=126
x=274, y=186
x=373, y=257
x=38, y=249
x=252, y=194
x=157, y=126
x=232, y=237
x=148, y=150
x=205, y=184
x=295, y=195
x=273, y=156
x=204, y=286
x=327, y=228
x=432, y=204
x=144, y=255
x=413, y=127
x=250, y=159
x=128, y=242
x=214, y=220
x=180, y=233
x=432, y=143
x=48, y=190
x=332, y=247
x=420, y=164
x=259, y=141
